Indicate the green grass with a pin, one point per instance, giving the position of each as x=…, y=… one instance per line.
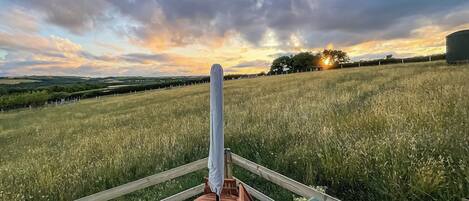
x=373, y=133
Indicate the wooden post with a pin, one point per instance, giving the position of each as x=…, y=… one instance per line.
x=402, y=60
x=429, y=58
x=228, y=164
x=379, y=63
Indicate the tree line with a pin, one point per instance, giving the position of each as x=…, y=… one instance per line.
x=308, y=61
x=330, y=59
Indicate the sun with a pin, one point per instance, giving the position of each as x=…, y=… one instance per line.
x=326, y=62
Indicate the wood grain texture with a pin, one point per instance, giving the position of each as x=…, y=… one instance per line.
x=254, y=192
x=147, y=181
x=281, y=180
x=184, y=195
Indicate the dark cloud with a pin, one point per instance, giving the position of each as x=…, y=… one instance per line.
x=189, y=20
x=317, y=22
x=20, y=64
x=168, y=23
x=91, y=56
x=131, y=58
x=142, y=58
x=76, y=16
x=54, y=55
x=457, y=17
x=250, y=64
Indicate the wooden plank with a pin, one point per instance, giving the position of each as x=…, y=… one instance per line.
x=147, y=181
x=462, y=199
x=281, y=180
x=184, y=195
x=255, y=193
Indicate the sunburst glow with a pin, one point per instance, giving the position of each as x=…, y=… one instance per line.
x=326, y=62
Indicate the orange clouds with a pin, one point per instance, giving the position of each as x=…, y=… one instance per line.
x=162, y=40
x=423, y=41
x=35, y=54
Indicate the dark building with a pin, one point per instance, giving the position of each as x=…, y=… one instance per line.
x=457, y=47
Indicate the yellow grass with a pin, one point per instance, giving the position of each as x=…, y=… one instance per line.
x=376, y=133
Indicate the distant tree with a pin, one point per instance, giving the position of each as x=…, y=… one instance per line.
x=58, y=95
x=34, y=98
x=3, y=91
x=305, y=61
x=336, y=56
x=281, y=64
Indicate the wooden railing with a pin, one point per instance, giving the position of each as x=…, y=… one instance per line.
x=184, y=195
x=147, y=181
x=281, y=180
x=230, y=158
x=255, y=193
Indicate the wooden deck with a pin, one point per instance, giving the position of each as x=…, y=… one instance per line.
x=270, y=175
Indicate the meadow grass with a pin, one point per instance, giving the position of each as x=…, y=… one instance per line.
x=395, y=132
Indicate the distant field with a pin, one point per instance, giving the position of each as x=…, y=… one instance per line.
x=15, y=81
x=36, y=91
x=397, y=132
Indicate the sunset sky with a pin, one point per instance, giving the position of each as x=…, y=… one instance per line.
x=184, y=37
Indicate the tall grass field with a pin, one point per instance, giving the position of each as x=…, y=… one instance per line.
x=397, y=133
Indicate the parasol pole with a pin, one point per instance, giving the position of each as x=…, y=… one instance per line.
x=216, y=152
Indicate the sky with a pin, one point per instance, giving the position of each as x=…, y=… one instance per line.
x=99, y=38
